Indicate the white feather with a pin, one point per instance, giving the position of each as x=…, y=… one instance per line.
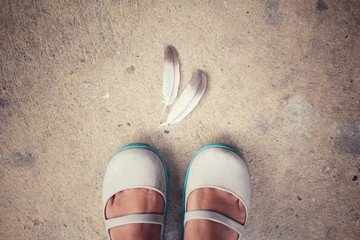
x=171, y=78
x=188, y=99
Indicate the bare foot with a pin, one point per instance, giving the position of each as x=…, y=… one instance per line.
x=139, y=200
x=218, y=201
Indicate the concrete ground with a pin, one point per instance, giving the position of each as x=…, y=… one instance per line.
x=79, y=79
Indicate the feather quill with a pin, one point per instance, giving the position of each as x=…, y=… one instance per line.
x=171, y=76
x=188, y=99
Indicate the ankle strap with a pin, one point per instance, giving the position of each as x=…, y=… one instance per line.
x=134, y=218
x=215, y=217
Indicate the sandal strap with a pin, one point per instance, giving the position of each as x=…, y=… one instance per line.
x=134, y=218
x=215, y=217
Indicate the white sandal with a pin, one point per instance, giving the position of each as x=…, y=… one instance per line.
x=222, y=167
x=135, y=166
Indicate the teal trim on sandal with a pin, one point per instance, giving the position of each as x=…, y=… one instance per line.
x=148, y=147
x=212, y=145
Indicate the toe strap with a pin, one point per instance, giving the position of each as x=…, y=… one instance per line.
x=135, y=218
x=216, y=217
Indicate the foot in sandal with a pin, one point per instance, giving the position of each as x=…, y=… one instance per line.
x=216, y=194
x=134, y=194
x=134, y=201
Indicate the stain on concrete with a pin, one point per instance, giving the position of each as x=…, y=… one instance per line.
x=289, y=211
x=3, y=103
x=2, y=174
x=348, y=141
x=36, y=222
x=262, y=124
x=2, y=119
x=318, y=45
x=23, y=159
x=130, y=70
x=331, y=232
x=321, y=6
x=283, y=82
x=274, y=16
x=326, y=169
x=302, y=117
x=356, y=216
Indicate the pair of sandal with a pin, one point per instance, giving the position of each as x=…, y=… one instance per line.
x=215, y=166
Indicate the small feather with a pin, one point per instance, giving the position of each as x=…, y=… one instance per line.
x=171, y=78
x=188, y=99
